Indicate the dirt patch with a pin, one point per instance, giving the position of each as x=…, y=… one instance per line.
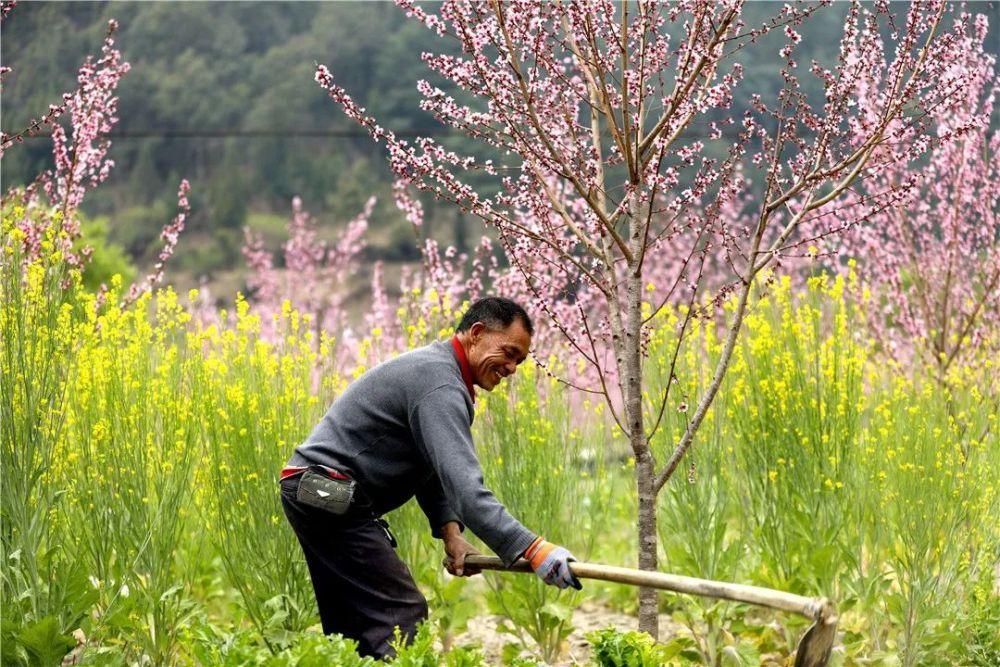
x=589, y=616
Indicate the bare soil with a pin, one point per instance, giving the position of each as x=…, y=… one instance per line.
x=590, y=615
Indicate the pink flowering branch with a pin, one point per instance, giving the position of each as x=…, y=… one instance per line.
x=6, y=7
x=169, y=235
x=932, y=260
x=440, y=274
x=315, y=275
x=34, y=125
x=79, y=162
x=381, y=318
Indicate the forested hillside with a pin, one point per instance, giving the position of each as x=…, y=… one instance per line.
x=223, y=94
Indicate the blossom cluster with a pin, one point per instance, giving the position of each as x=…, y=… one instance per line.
x=82, y=161
x=169, y=235
x=315, y=272
x=52, y=202
x=603, y=187
x=932, y=260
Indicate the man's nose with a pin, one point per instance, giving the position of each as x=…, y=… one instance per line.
x=510, y=367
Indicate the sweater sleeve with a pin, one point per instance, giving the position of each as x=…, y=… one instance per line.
x=435, y=505
x=440, y=425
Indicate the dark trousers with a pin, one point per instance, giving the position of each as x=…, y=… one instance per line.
x=363, y=589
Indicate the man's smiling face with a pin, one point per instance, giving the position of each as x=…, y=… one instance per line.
x=495, y=354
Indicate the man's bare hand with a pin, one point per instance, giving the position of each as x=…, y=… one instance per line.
x=457, y=549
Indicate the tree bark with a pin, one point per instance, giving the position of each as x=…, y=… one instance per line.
x=648, y=597
x=644, y=465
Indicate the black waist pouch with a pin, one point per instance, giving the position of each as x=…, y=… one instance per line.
x=317, y=488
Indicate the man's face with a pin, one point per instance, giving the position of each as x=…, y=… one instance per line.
x=494, y=355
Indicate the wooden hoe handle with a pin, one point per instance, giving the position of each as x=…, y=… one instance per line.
x=814, y=648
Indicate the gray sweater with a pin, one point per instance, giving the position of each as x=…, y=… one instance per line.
x=402, y=429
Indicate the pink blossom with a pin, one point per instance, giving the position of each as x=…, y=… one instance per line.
x=532, y=75
x=80, y=161
x=314, y=276
x=6, y=7
x=927, y=247
x=169, y=235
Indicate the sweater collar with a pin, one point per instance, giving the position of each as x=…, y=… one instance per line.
x=463, y=363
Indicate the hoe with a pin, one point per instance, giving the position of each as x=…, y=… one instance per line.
x=814, y=647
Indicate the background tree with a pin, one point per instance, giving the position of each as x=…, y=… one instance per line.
x=602, y=180
x=313, y=282
x=932, y=263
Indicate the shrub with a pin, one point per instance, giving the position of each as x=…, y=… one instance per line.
x=107, y=258
x=636, y=649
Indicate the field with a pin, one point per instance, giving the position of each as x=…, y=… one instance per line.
x=760, y=249
x=140, y=454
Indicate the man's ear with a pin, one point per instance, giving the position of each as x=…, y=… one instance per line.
x=476, y=331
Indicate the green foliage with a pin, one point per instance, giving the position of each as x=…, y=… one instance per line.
x=108, y=258
x=794, y=399
x=38, y=643
x=136, y=228
x=24, y=634
x=42, y=585
x=249, y=438
x=981, y=642
x=637, y=649
x=196, y=251
x=271, y=226
x=447, y=595
x=212, y=646
x=420, y=652
x=711, y=548
x=823, y=472
x=228, y=194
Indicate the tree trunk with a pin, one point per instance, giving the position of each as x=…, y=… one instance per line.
x=648, y=597
x=644, y=465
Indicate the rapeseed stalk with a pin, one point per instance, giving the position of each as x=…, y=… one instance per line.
x=794, y=413
x=549, y=471
x=256, y=404
x=41, y=581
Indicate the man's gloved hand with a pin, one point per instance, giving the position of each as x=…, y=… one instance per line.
x=551, y=563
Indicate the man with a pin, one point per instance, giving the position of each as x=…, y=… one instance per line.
x=402, y=430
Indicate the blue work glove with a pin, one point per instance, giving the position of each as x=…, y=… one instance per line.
x=551, y=563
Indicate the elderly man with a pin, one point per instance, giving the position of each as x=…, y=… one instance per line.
x=402, y=430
